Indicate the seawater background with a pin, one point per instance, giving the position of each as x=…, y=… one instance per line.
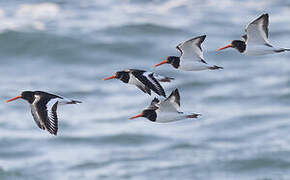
x=67, y=47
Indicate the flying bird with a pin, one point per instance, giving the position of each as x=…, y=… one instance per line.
x=165, y=111
x=144, y=80
x=191, y=58
x=43, y=108
x=255, y=42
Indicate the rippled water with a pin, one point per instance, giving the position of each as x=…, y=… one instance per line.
x=67, y=47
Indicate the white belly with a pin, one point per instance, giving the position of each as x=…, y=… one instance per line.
x=164, y=117
x=192, y=65
x=257, y=50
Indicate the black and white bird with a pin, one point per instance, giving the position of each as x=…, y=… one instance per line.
x=166, y=111
x=256, y=42
x=191, y=58
x=43, y=108
x=144, y=80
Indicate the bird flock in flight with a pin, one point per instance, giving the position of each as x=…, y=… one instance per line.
x=255, y=42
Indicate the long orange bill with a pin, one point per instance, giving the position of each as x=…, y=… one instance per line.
x=111, y=77
x=228, y=46
x=163, y=62
x=137, y=116
x=17, y=97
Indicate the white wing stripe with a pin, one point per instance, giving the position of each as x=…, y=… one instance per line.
x=146, y=74
x=49, y=106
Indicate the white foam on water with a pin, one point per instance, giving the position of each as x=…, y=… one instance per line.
x=42, y=11
x=28, y=16
x=95, y=15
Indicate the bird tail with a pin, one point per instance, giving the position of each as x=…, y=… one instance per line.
x=215, y=67
x=193, y=115
x=165, y=79
x=282, y=50
x=162, y=78
x=74, y=102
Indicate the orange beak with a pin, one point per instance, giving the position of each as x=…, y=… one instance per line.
x=17, y=97
x=228, y=46
x=137, y=116
x=163, y=62
x=112, y=77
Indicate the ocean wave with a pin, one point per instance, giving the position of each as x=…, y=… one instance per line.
x=27, y=17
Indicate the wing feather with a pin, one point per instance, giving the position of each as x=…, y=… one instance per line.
x=148, y=80
x=257, y=30
x=192, y=48
x=44, y=113
x=172, y=103
x=36, y=117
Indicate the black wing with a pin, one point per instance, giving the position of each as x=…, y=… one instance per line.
x=36, y=117
x=144, y=89
x=149, y=81
x=44, y=113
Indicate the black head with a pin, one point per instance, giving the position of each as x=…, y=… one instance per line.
x=122, y=75
x=150, y=114
x=237, y=44
x=173, y=60
x=26, y=95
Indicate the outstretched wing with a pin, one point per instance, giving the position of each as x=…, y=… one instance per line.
x=143, y=88
x=172, y=103
x=257, y=30
x=44, y=114
x=192, y=48
x=36, y=117
x=148, y=80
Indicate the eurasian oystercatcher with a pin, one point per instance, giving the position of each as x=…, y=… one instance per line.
x=144, y=80
x=255, y=42
x=165, y=111
x=43, y=108
x=191, y=58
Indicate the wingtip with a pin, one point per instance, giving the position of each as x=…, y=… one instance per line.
x=52, y=132
x=202, y=37
x=164, y=95
x=176, y=90
x=264, y=15
x=155, y=100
